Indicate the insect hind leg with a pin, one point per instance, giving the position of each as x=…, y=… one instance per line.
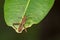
x=25, y=29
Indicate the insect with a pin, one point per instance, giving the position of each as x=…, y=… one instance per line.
x=21, y=25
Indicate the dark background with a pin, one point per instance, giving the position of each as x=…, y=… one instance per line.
x=47, y=29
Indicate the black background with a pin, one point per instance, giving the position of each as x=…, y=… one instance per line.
x=48, y=29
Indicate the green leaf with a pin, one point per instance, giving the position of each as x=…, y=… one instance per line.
x=34, y=10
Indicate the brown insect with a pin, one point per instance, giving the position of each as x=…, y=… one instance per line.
x=21, y=25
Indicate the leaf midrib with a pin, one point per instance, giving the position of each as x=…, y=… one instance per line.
x=26, y=6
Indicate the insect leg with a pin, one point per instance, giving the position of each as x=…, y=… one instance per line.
x=25, y=29
x=15, y=24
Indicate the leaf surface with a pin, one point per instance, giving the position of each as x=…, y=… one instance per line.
x=34, y=10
